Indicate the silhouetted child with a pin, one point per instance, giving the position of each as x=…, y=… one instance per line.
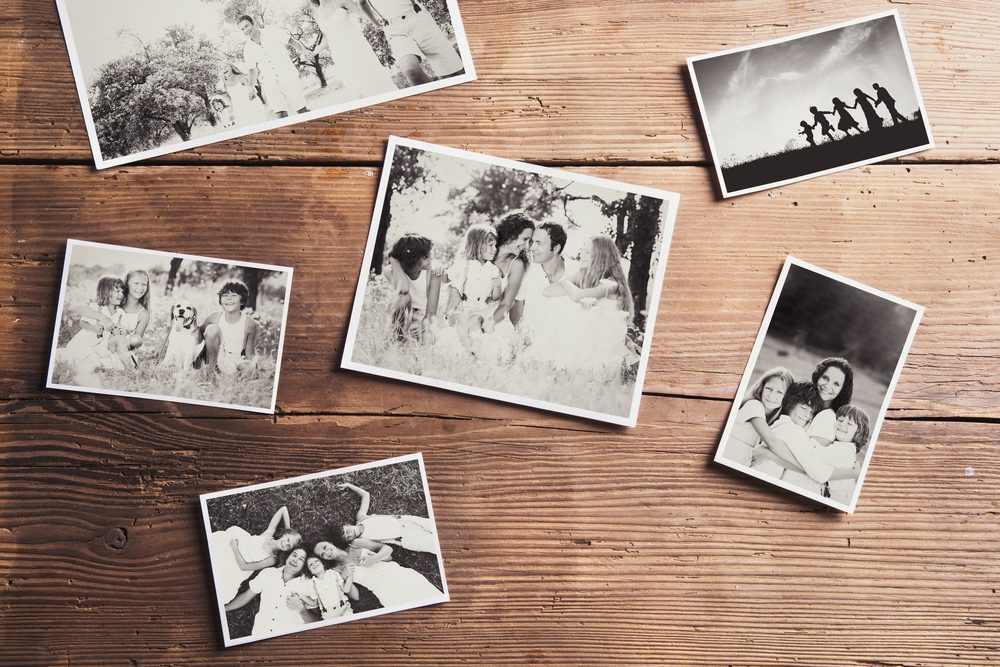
x=883, y=97
x=824, y=125
x=846, y=123
x=807, y=132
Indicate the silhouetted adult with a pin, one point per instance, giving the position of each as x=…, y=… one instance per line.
x=883, y=97
x=866, y=102
x=824, y=124
x=846, y=122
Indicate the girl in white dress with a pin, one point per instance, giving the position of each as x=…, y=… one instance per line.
x=236, y=554
x=390, y=582
x=135, y=314
x=474, y=284
x=415, y=533
x=604, y=294
x=756, y=415
x=245, y=111
x=416, y=287
x=89, y=349
x=277, y=588
x=356, y=64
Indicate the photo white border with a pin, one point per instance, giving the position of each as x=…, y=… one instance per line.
x=672, y=199
x=72, y=243
x=100, y=163
x=767, y=186
x=752, y=362
x=443, y=597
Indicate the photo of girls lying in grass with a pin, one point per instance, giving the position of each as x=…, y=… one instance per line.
x=336, y=546
x=807, y=420
x=159, y=325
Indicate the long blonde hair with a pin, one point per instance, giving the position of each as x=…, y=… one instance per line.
x=144, y=301
x=757, y=390
x=606, y=263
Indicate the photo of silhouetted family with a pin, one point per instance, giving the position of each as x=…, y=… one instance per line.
x=321, y=549
x=136, y=322
x=810, y=104
x=159, y=77
x=510, y=281
x=818, y=383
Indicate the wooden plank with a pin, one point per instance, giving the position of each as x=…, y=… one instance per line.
x=560, y=548
x=595, y=81
x=925, y=233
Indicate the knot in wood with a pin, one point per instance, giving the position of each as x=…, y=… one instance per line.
x=116, y=538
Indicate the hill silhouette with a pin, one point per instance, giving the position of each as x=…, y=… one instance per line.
x=827, y=155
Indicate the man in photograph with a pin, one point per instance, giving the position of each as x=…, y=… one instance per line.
x=265, y=55
x=414, y=38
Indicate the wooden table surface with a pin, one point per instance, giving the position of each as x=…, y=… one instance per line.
x=565, y=541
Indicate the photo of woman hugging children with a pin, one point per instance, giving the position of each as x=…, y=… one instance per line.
x=211, y=335
x=806, y=420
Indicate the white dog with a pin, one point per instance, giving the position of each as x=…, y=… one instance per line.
x=184, y=340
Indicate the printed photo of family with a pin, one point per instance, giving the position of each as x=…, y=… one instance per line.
x=143, y=323
x=509, y=281
x=818, y=384
x=323, y=549
x=781, y=111
x=156, y=78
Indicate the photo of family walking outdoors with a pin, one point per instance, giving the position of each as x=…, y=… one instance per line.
x=510, y=281
x=810, y=406
x=810, y=104
x=156, y=78
x=322, y=549
x=150, y=324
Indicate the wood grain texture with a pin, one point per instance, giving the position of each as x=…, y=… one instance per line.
x=566, y=542
x=624, y=548
x=559, y=81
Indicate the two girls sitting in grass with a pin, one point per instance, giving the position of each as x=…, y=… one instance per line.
x=806, y=433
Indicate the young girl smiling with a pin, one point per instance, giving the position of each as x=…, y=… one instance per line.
x=475, y=283
x=757, y=414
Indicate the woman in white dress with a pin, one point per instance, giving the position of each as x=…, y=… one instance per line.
x=356, y=64
x=390, y=582
x=277, y=588
x=236, y=554
x=246, y=111
x=415, y=533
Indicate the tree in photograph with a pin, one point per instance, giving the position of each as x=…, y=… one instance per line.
x=140, y=100
x=303, y=27
x=175, y=267
x=406, y=173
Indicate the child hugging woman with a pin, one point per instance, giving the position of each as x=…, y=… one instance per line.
x=756, y=414
x=99, y=343
x=415, y=286
x=474, y=283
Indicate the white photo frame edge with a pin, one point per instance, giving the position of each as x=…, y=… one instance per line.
x=667, y=231
x=752, y=359
x=71, y=243
x=726, y=193
x=417, y=456
x=101, y=163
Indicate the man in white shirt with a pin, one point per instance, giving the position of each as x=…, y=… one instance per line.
x=414, y=37
x=265, y=55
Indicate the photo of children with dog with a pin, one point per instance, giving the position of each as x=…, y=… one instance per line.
x=818, y=384
x=331, y=547
x=511, y=281
x=169, y=326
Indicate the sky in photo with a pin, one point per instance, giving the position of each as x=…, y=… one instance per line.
x=755, y=99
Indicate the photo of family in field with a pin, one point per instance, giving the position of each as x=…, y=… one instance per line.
x=509, y=281
x=810, y=104
x=175, y=327
x=818, y=385
x=161, y=77
x=328, y=548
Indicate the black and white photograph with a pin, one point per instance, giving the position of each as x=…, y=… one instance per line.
x=169, y=326
x=510, y=281
x=322, y=549
x=810, y=104
x=161, y=77
x=817, y=386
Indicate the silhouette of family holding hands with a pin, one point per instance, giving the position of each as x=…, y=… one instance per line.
x=846, y=121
